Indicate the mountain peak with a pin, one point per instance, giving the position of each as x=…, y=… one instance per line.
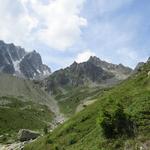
x=74, y=63
x=93, y=72
x=93, y=59
x=15, y=60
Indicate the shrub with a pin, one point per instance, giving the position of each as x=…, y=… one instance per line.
x=45, y=129
x=116, y=124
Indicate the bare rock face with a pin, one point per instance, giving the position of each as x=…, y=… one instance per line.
x=92, y=72
x=32, y=67
x=119, y=71
x=26, y=135
x=15, y=60
x=9, y=55
x=138, y=67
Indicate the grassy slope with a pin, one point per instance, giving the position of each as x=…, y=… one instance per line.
x=82, y=132
x=16, y=115
x=24, y=89
x=69, y=101
x=22, y=105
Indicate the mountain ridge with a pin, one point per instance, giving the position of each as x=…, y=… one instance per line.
x=93, y=71
x=15, y=60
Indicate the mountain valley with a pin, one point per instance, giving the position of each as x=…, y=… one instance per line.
x=63, y=106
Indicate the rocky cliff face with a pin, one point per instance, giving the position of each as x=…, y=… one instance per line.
x=91, y=73
x=15, y=60
x=119, y=71
x=32, y=67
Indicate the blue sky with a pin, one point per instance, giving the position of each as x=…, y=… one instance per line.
x=63, y=31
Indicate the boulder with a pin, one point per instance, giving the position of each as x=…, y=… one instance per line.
x=26, y=135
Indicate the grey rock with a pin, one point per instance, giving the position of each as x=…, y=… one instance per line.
x=26, y=135
x=119, y=70
x=138, y=67
x=32, y=67
x=93, y=72
x=9, y=53
x=15, y=60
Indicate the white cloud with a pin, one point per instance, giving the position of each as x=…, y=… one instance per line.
x=16, y=24
x=84, y=56
x=57, y=23
x=62, y=23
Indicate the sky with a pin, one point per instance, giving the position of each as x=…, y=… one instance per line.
x=64, y=31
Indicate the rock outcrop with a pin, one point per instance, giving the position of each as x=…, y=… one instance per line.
x=26, y=135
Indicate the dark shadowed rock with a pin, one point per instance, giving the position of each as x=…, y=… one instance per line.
x=26, y=135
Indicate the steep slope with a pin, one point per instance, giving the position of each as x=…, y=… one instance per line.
x=15, y=60
x=23, y=104
x=83, y=131
x=25, y=89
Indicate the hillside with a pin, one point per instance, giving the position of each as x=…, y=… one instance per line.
x=83, y=131
x=23, y=104
x=16, y=115
x=18, y=87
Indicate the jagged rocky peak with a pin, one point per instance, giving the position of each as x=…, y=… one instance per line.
x=32, y=67
x=120, y=71
x=93, y=72
x=15, y=52
x=89, y=70
x=103, y=64
x=9, y=56
x=74, y=65
x=13, y=60
x=94, y=59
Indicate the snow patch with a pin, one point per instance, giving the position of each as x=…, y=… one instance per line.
x=46, y=72
x=17, y=66
x=38, y=71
